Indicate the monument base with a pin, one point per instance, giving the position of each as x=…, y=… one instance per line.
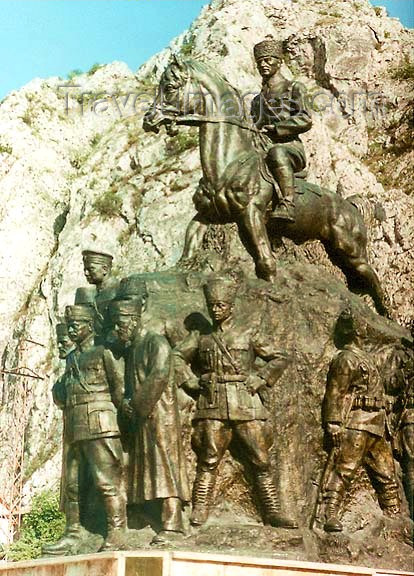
x=160, y=563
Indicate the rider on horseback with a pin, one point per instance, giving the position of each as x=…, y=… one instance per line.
x=280, y=111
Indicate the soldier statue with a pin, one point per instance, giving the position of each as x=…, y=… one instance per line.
x=230, y=406
x=157, y=468
x=356, y=423
x=93, y=391
x=401, y=385
x=281, y=111
x=97, y=267
x=65, y=347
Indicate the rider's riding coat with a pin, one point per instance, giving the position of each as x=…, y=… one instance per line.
x=283, y=104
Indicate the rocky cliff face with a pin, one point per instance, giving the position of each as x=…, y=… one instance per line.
x=77, y=170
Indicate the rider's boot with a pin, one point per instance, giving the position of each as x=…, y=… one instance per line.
x=202, y=492
x=72, y=535
x=285, y=210
x=270, y=503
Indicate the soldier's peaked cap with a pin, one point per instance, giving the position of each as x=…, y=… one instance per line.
x=268, y=47
x=98, y=257
x=79, y=312
x=61, y=330
x=220, y=288
x=126, y=307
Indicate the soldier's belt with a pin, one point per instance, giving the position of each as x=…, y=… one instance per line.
x=213, y=377
x=77, y=399
x=368, y=404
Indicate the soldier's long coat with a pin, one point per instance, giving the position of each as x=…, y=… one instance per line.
x=157, y=464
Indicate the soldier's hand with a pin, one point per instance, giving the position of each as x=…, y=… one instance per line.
x=269, y=128
x=334, y=431
x=254, y=383
x=126, y=408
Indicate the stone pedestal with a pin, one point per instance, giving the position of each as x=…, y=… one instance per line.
x=148, y=563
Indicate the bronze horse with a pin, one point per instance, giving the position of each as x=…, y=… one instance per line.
x=235, y=186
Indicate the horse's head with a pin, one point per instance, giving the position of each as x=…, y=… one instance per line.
x=179, y=94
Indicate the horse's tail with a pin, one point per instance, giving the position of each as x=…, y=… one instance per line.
x=360, y=203
x=370, y=211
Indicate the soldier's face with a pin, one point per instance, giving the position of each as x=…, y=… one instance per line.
x=65, y=345
x=78, y=330
x=220, y=310
x=268, y=66
x=95, y=273
x=125, y=326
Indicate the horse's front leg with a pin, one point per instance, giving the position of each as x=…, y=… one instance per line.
x=253, y=234
x=193, y=238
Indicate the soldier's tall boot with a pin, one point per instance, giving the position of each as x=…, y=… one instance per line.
x=332, y=513
x=72, y=535
x=269, y=499
x=202, y=492
x=115, y=508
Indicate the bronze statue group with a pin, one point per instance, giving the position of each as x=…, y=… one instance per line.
x=118, y=391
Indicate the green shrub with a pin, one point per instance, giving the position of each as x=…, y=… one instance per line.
x=44, y=523
x=73, y=73
x=108, y=205
x=188, y=46
x=6, y=149
x=181, y=142
x=94, y=68
x=405, y=71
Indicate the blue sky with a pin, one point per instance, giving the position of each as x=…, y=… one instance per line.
x=52, y=37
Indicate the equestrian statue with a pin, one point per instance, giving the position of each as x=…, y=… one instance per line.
x=253, y=168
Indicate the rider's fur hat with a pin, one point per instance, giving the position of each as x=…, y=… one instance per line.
x=268, y=47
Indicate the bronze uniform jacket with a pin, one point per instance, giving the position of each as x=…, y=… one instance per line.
x=222, y=400
x=353, y=375
x=94, y=390
x=282, y=104
x=157, y=464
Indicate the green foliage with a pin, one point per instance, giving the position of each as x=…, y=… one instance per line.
x=96, y=139
x=94, y=68
x=73, y=73
x=181, y=142
x=78, y=159
x=108, y=205
x=44, y=523
x=405, y=71
x=188, y=46
x=5, y=149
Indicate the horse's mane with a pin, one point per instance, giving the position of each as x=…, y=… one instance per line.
x=201, y=68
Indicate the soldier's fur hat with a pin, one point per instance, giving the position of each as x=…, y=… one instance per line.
x=85, y=295
x=132, y=287
x=268, y=47
x=80, y=312
x=220, y=288
x=126, y=307
x=97, y=257
x=61, y=330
